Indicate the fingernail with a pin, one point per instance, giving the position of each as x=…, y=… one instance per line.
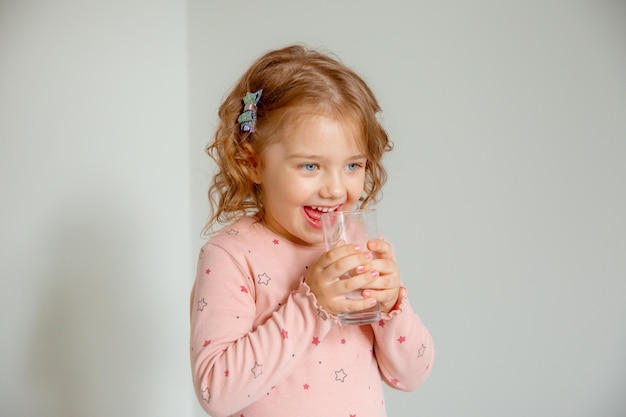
x=375, y=273
x=373, y=302
x=360, y=269
x=368, y=255
x=357, y=248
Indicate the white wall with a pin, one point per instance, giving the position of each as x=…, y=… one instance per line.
x=506, y=197
x=96, y=260
x=505, y=201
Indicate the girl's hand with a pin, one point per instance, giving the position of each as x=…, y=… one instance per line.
x=386, y=288
x=330, y=290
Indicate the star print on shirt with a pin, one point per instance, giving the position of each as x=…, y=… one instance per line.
x=257, y=369
x=340, y=375
x=322, y=314
x=420, y=351
x=402, y=339
x=264, y=278
x=306, y=386
x=206, y=395
x=206, y=343
x=316, y=340
x=207, y=271
x=381, y=323
x=284, y=333
x=232, y=232
x=275, y=241
x=243, y=288
x=201, y=305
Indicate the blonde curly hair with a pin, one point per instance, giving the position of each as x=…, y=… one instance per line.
x=296, y=81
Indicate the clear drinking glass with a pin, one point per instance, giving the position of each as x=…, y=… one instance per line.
x=357, y=227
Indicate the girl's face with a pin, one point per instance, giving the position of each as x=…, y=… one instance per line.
x=318, y=166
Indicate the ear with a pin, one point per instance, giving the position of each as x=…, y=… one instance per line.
x=252, y=164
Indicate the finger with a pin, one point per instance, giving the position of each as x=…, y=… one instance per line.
x=338, y=252
x=385, y=267
x=380, y=295
x=357, y=282
x=382, y=282
x=386, y=298
x=353, y=264
x=349, y=306
x=382, y=248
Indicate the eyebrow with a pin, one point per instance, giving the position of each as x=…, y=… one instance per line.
x=314, y=156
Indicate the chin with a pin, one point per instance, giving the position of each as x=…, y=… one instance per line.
x=311, y=239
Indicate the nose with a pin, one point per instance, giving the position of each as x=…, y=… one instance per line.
x=333, y=186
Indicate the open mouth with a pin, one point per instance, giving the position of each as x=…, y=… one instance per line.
x=315, y=212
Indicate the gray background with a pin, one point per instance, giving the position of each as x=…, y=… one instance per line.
x=505, y=201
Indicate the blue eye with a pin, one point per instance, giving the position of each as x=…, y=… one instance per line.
x=353, y=167
x=309, y=167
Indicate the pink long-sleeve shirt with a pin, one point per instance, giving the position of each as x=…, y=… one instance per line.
x=260, y=345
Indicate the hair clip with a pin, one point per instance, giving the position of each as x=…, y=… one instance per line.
x=248, y=117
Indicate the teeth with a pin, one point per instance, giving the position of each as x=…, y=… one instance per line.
x=324, y=209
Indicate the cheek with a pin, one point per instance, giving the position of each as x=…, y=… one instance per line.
x=286, y=189
x=356, y=187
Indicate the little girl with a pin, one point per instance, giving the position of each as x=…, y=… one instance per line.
x=298, y=136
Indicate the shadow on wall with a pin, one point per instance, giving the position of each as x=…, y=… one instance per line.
x=92, y=340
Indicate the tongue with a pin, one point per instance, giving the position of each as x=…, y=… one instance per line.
x=312, y=213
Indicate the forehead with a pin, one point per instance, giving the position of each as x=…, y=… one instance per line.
x=319, y=133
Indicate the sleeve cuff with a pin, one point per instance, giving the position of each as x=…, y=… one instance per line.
x=321, y=313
